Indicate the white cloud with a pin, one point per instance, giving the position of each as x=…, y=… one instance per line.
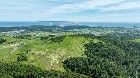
x=57, y=9
x=86, y=5
x=123, y=6
x=52, y=7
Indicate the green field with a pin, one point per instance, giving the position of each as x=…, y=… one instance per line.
x=42, y=53
x=136, y=40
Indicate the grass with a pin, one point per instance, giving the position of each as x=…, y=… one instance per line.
x=48, y=55
x=137, y=40
x=4, y=52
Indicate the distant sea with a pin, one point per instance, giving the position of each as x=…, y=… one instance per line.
x=92, y=24
x=111, y=24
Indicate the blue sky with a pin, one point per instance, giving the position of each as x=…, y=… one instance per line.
x=70, y=10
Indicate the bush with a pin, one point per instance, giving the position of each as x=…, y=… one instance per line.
x=22, y=57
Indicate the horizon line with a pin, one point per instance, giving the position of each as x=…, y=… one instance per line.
x=72, y=21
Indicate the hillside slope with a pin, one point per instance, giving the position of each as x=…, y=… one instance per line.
x=45, y=53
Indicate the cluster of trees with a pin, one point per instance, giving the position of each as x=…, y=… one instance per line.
x=43, y=38
x=57, y=39
x=2, y=40
x=111, y=58
x=22, y=57
x=18, y=70
x=23, y=36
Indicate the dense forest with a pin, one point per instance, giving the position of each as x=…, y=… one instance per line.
x=18, y=70
x=114, y=57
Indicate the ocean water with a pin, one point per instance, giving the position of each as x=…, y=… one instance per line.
x=93, y=24
x=111, y=24
x=11, y=24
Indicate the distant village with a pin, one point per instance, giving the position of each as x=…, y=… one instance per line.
x=72, y=28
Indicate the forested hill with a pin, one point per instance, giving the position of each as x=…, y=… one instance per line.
x=112, y=58
x=18, y=70
x=103, y=57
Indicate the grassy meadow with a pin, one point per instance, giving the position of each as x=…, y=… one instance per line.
x=43, y=53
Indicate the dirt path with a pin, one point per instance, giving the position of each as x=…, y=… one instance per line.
x=14, y=49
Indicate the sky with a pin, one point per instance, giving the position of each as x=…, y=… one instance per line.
x=70, y=10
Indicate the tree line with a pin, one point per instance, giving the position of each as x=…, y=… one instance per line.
x=111, y=58
x=19, y=70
